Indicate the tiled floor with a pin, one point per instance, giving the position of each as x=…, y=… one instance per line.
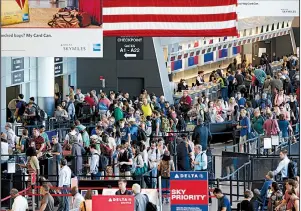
x=55, y=4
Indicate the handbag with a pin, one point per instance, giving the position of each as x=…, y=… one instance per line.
x=65, y=18
x=140, y=170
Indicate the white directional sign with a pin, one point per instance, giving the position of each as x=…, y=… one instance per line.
x=129, y=48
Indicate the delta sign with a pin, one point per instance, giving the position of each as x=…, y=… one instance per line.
x=189, y=191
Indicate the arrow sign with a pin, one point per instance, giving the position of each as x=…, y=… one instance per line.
x=126, y=55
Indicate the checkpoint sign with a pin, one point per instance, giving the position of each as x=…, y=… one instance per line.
x=189, y=191
x=129, y=48
x=113, y=203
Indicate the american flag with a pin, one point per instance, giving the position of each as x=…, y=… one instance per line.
x=170, y=18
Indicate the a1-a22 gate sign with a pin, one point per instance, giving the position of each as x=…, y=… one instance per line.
x=189, y=191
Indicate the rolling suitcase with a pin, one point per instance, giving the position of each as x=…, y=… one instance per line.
x=93, y=8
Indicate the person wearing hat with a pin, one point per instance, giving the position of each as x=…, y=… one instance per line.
x=45, y=136
x=82, y=130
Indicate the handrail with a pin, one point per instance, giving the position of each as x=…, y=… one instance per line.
x=233, y=173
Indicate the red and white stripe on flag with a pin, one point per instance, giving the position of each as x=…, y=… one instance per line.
x=170, y=18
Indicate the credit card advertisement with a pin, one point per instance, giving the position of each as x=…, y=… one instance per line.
x=14, y=11
x=49, y=43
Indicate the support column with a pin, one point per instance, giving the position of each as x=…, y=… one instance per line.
x=45, y=84
x=168, y=93
x=2, y=96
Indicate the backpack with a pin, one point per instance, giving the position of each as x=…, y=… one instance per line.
x=102, y=163
x=72, y=138
x=141, y=135
x=225, y=81
x=181, y=126
x=26, y=144
x=106, y=150
x=164, y=169
x=165, y=125
x=292, y=169
x=149, y=205
x=40, y=114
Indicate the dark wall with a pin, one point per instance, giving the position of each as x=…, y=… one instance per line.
x=296, y=31
x=283, y=45
x=90, y=69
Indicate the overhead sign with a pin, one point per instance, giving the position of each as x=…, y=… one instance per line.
x=129, y=48
x=17, y=64
x=18, y=77
x=58, y=69
x=113, y=203
x=183, y=192
x=58, y=59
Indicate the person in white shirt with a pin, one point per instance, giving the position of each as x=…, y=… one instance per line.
x=11, y=137
x=4, y=149
x=154, y=158
x=94, y=165
x=73, y=133
x=64, y=184
x=77, y=198
x=200, y=162
x=20, y=203
x=283, y=165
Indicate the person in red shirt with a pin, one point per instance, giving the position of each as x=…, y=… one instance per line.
x=38, y=141
x=185, y=102
x=89, y=100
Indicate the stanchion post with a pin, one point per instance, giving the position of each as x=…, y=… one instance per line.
x=160, y=194
x=33, y=182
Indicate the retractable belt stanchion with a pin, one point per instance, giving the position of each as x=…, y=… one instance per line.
x=33, y=183
x=160, y=194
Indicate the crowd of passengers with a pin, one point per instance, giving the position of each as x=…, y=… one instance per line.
x=134, y=137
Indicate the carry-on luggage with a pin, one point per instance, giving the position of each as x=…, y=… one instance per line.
x=93, y=8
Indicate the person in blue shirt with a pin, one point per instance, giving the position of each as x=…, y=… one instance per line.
x=260, y=195
x=241, y=101
x=133, y=129
x=200, y=161
x=223, y=202
x=284, y=127
x=244, y=127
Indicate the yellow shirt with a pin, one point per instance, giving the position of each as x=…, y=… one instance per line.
x=147, y=110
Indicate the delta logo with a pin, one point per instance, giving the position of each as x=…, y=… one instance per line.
x=21, y=3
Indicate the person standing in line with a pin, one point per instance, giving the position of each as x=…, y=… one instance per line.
x=141, y=200
x=64, y=184
x=122, y=188
x=223, y=202
x=244, y=126
x=47, y=203
x=77, y=198
x=20, y=202
x=283, y=165
x=11, y=136
x=4, y=151
x=57, y=153
x=200, y=162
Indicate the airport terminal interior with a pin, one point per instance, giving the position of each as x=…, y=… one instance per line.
x=173, y=123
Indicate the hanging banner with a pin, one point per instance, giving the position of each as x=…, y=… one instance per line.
x=40, y=42
x=183, y=192
x=248, y=8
